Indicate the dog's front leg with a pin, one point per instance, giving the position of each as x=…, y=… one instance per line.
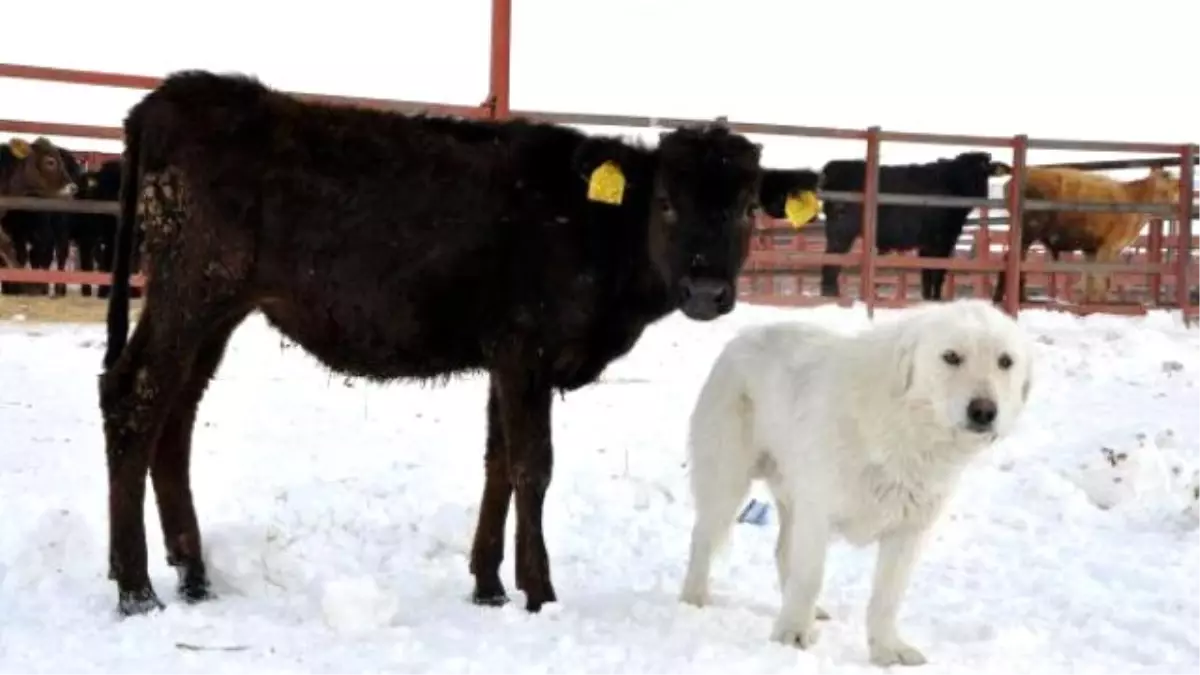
x=893, y=569
x=807, y=545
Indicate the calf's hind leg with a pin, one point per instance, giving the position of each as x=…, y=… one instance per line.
x=136, y=397
x=488, y=550
x=169, y=469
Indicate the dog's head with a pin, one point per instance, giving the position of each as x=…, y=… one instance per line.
x=970, y=362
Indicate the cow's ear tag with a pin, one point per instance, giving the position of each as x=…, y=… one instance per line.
x=800, y=208
x=19, y=147
x=607, y=184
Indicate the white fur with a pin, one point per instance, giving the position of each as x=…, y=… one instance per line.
x=860, y=436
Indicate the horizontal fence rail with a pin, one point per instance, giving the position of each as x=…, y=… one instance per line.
x=1168, y=257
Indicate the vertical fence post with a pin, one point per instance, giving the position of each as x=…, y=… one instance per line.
x=498, y=80
x=1154, y=256
x=870, y=208
x=983, y=251
x=1016, y=213
x=1183, y=246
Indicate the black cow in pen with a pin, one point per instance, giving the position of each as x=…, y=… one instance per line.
x=932, y=230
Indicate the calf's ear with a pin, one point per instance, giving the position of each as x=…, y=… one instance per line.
x=790, y=194
x=601, y=163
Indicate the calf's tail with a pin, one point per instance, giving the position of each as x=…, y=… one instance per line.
x=118, y=299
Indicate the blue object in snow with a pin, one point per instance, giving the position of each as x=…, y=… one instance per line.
x=755, y=513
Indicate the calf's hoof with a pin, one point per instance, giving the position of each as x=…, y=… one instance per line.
x=535, y=599
x=137, y=603
x=193, y=592
x=489, y=593
x=492, y=599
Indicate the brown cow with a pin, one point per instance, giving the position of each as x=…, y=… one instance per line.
x=29, y=170
x=33, y=169
x=1100, y=236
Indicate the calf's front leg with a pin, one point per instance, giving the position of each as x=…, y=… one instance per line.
x=525, y=401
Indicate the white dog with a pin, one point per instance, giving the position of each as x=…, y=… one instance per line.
x=863, y=437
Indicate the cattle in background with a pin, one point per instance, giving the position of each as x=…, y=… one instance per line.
x=93, y=233
x=932, y=230
x=390, y=247
x=46, y=237
x=1099, y=236
x=8, y=252
x=49, y=232
x=36, y=169
x=26, y=231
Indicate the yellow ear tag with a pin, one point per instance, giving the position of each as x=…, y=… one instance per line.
x=607, y=184
x=19, y=147
x=800, y=208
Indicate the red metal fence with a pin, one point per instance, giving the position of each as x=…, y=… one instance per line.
x=1160, y=261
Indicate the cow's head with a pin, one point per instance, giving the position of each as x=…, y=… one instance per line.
x=969, y=173
x=707, y=188
x=705, y=191
x=39, y=170
x=1163, y=187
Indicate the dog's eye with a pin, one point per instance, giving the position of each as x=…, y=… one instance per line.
x=1005, y=362
x=950, y=356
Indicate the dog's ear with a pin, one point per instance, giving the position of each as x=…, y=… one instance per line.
x=904, y=362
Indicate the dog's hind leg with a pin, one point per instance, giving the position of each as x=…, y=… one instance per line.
x=722, y=468
x=716, y=508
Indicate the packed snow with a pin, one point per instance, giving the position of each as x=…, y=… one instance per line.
x=338, y=516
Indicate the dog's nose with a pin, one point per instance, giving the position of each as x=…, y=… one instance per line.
x=981, y=412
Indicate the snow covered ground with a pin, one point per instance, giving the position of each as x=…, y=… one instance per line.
x=338, y=516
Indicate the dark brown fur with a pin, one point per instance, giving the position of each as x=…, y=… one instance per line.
x=392, y=247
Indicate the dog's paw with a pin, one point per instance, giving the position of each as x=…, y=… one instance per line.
x=896, y=653
x=796, y=636
x=695, y=596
